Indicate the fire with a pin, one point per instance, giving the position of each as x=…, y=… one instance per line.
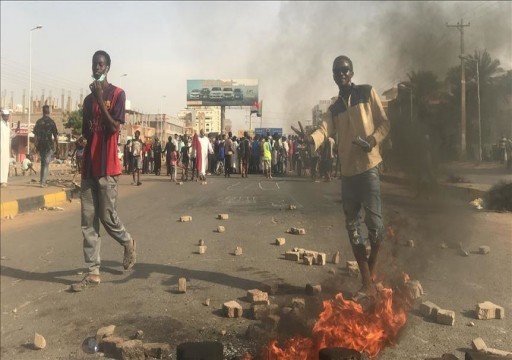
x=343, y=323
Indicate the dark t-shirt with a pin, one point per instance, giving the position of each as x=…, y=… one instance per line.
x=185, y=154
x=44, y=129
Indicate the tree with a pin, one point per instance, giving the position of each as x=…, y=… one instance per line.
x=74, y=121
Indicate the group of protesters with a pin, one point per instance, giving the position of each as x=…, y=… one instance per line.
x=270, y=155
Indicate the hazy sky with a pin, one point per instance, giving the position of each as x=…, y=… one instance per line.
x=288, y=46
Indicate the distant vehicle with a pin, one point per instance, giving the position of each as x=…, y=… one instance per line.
x=195, y=94
x=237, y=93
x=228, y=93
x=205, y=93
x=216, y=93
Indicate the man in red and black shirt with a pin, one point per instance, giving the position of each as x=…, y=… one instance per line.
x=103, y=114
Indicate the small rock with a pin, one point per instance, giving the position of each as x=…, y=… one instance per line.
x=292, y=207
x=478, y=344
x=223, y=332
x=471, y=323
x=238, y=251
x=336, y=258
x=207, y=302
x=139, y=335
x=223, y=216
x=15, y=310
x=410, y=243
x=39, y=341
x=202, y=249
x=182, y=285
x=104, y=332
x=444, y=246
x=221, y=229
x=185, y=218
x=280, y=241
x=484, y=249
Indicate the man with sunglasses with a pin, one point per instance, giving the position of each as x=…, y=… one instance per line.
x=357, y=116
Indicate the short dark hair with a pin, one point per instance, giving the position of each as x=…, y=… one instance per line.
x=46, y=109
x=343, y=57
x=102, y=53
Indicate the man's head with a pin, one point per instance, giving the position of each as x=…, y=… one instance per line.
x=342, y=71
x=46, y=110
x=246, y=135
x=201, y=132
x=100, y=64
x=137, y=134
x=5, y=114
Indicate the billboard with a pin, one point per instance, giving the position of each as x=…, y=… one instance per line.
x=241, y=92
x=271, y=131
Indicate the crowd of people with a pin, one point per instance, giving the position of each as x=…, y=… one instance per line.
x=226, y=154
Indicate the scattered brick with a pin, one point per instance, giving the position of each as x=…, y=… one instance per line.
x=414, y=289
x=297, y=231
x=238, y=251
x=484, y=249
x=261, y=311
x=445, y=317
x=257, y=296
x=298, y=303
x=111, y=346
x=39, y=341
x=313, y=289
x=221, y=229
x=292, y=207
x=204, y=183
x=429, y=309
x=410, y=243
x=487, y=310
x=104, y=332
x=280, y=241
x=321, y=259
x=207, y=302
x=139, y=335
x=497, y=352
x=292, y=255
x=157, y=350
x=308, y=259
x=232, y=309
x=132, y=350
x=185, y=218
x=223, y=216
x=182, y=285
x=201, y=242
x=202, y=249
x=478, y=344
x=336, y=258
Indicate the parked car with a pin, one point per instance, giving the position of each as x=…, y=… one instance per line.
x=216, y=93
x=195, y=94
x=228, y=93
x=237, y=93
x=205, y=93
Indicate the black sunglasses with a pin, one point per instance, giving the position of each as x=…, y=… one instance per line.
x=343, y=69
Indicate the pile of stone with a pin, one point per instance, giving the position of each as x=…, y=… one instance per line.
x=308, y=257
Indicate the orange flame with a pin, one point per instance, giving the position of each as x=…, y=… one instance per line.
x=343, y=323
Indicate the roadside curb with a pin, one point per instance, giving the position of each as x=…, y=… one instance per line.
x=15, y=207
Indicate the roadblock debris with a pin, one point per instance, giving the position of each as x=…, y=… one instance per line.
x=445, y=317
x=185, y=218
x=296, y=231
x=487, y=310
x=104, y=332
x=280, y=241
x=238, y=251
x=256, y=296
x=484, y=249
x=223, y=216
x=313, y=289
x=182, y=285
x=336, y=258
x=39, y=341
x=232, y=309
x=221, y=229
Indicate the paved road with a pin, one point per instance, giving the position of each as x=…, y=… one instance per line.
x=42, y=256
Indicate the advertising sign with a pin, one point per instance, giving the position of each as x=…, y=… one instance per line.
x=271, y=131
x=241, y=92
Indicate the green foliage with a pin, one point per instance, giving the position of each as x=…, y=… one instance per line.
x=74, y=121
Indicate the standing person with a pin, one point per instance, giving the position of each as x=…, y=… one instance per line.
x=127, y=157
x=267, y=157
x=245, y=154
x=157, y=155
x=290, y=153
x=5, y=147
x=167, y=152
x=255, y=157
x=358, y=112
x=185, y=159
x=174, y=162
x=136, y=158
x=44, y=130
x=327, y=158
x=203, y=148
x=103, y=114
x=228, y=153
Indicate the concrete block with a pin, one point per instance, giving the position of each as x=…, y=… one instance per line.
x=414, y=289
x=261, y=311
x=309, y=259
x=223, y=216
x=182, y=285
x=478, y=344
x=157, y=350
x=497, y=352
x=487, y=310
x=321, y=259
x=238, y=251
x=257, y=296
x=202, y=249
x=445, y=317
x=297, y=231
x=292, y=255
x=221, y=229
x=232, y=309
x=185, y=218
x=139, y=335
x=336, y=258
x=132, y=350
x=313, y=289
x=280, y=241
x=429, y=309
x=484, y=249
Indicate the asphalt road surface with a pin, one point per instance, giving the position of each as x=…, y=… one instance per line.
x=42, y=255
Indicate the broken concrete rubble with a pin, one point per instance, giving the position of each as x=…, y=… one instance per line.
x=280, y=241
x=238, y=251
x=256, y=296
x=296, y=231
x=104, y=332
x=232, y=309
x=429, y=309
x=185, y=218
x=182, y=285
x=445, y=317
x=223, y=216
x=487, y=310
x=414, y=289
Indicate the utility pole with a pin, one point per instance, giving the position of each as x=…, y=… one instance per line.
x=460, y=26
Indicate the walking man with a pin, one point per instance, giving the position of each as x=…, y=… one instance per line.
x=358, y=115
x=103, y=114
x=137, y=158
x=44, y=130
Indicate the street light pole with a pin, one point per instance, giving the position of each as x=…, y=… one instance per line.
x=478, y=103
x=30, y=85
x=120, y=77
x=161, y=117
